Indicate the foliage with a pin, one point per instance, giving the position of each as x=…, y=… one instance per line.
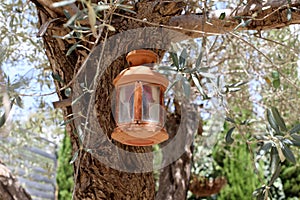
x=290, y=178
x=237, y=166
x=250, y=72
x=65, y=170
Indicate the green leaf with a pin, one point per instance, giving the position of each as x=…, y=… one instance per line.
x=167, y=68
x=182, y=57
x=67, y=14
x=296, y=143
x=261, y=196
x=175, y=59
x=198, y=85
x=63, y=3
x=109, y=27
x=72, y=20
x=246, y=23
x=288, y=153
x=281, y=155
x=264, y=149
x=199, y=59
x=222, y=16
x=102, y=7
x=296, y=137
x=57, y=77
x=75, y=156
x=186, y=87
x=233, y=89
x=295, y=129
x=274, y=160
x=178, y=78
x=68, y=121
x=278, y=119
x=289, y=14
x=2, y=119
x=126, y=8
x=229, y=119
x=19, y=101
x=258, y=191
x=207, y=75
x=272, y=121
x=275, y=175
x=237, y=84
x=72, y=48
x=275, y=75
x=276, y=83
x=228, y=138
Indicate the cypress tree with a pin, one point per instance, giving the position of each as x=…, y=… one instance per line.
x=65, y=170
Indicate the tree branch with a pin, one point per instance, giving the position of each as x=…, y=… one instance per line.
x=10, y=189
x=271, y=15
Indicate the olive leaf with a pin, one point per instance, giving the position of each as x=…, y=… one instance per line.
x=264, y=149
x=295, y=129
x=296, y=137
x=228, y=138
x=75, y=156
x=182, y=57
x=186, y=87
x=175, y=59
x=222, y=16
x=278, y=119
x=274, y=159
x=272, y=121
x=275, y=175
x=288, y=153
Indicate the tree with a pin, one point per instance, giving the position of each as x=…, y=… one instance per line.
x=9, y=186
x=69, y=32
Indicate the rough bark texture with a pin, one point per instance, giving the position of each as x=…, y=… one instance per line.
x=174, y=179
x=253, y=16
x=94, y=178
x=10, y=188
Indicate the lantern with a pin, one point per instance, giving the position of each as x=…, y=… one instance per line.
x=139, y=101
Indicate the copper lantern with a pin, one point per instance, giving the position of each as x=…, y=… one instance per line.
x=139, y=101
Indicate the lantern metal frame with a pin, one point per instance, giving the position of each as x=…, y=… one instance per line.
x=138, y=131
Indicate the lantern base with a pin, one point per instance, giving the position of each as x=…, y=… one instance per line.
x=137, y=139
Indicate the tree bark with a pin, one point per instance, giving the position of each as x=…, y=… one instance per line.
x=98, y=173
x=10, y=188
x=174, y=179
x=270, y=15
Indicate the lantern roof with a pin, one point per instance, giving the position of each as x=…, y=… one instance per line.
x=139, y=71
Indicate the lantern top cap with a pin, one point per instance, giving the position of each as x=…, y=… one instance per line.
x=141, y=56
x=138, y=71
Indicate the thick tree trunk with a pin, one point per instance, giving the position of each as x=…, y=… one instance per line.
x=174, y=179
x=102, y=169
x=10, y=188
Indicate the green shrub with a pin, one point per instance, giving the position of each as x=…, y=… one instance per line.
x=64, y=178
x=237, y=167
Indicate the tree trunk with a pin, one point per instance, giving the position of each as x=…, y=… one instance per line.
x=10, y=188
x=105, y=169
x=174, y=179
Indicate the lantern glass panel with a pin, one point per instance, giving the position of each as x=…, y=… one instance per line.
x=126, y=103
x=151, y=100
